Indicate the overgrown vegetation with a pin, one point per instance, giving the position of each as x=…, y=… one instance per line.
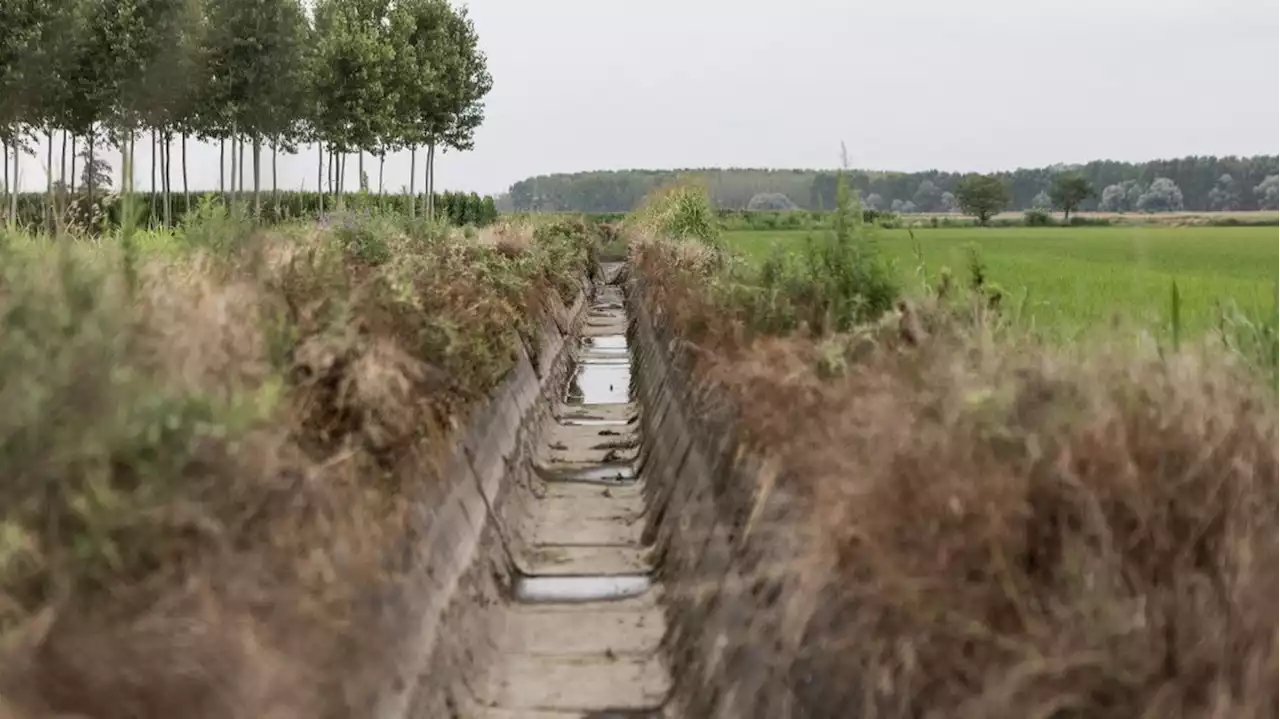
x=680, y=211
x=998, y=526
x=234, y=440
x=838, y=281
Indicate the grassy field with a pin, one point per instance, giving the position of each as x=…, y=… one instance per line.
x=1076, y=277
x=1159, y=219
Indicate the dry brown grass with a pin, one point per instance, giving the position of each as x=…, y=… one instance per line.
x=207, y=481
x=1011, y=530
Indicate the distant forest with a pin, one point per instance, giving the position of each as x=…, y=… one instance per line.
x=1198, y=184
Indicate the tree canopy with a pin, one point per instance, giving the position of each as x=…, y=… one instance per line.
x=1068, y=191
x=350, y=76
x=982, y=196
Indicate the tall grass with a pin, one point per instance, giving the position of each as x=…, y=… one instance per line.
x=679, y=211
x=225, y=426
x=837, y=280
x=1253, y=336
x=993, y=525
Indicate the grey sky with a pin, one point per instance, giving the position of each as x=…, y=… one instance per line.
x=907, y=84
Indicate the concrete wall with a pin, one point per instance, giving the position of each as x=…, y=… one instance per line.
x=738, y=602
x=439, y=621
x=722, y=524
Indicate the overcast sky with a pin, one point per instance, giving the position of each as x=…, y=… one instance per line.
x=907, y=84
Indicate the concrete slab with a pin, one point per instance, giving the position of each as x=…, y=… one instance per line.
x=587, y=506
x=595, y=450
x=558, y=560
x=581, y=683
x=624, y=413
x=583, y=489
x=495, y=713
x=567, y=529
x=594, y=629
x=574, y=436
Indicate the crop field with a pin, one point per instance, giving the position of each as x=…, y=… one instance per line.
x=1176, y=219
x=1072, y=278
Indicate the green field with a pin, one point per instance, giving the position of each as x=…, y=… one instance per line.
x=1073, y=278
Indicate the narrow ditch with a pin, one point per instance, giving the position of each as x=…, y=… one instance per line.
x=582, y=633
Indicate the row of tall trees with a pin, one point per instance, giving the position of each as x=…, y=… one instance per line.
x=1249, y=185
x=358, y=78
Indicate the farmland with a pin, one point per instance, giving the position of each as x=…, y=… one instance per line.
x=349, y=452
x=1075, y=277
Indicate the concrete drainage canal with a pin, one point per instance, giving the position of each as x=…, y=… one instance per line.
x=583, y=626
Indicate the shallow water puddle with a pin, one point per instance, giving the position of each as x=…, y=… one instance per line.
x=593, y=422
x=605, y=342
x=591, y=355
x=600, y=383
x=607, y=359
x=581, y=588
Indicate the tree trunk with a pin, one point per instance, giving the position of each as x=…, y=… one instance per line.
x=413, y=173
x=233, y=170
x=320, y=175
x=363, y=185
x=62, y=166
x=125, y=168
x=240, y=181
x=222, y=168
x=331, y=175
x=167, y=176
x=186, y=192
x=133, y=146
x=151, y=218
x=92, y=139
x=431, y=181
x=257, y=176
x=275, y=188
x=342, y=176
x=4, y=160
x=48, y=153
x=72, y=184
x=382, y=163
x=428, y=199
x=17, y=180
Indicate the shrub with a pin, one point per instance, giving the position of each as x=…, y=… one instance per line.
x=1037, y=218
x=839, y=279
x=678, y=211
x=233, y=439
x=1046, y=531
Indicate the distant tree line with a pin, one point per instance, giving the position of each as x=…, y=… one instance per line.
x=348, y=77
x=621, y=191
x=1190, y=183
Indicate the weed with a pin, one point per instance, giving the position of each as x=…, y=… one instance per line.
x=678, y=211
x=1037, y=218
x=246, y=419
